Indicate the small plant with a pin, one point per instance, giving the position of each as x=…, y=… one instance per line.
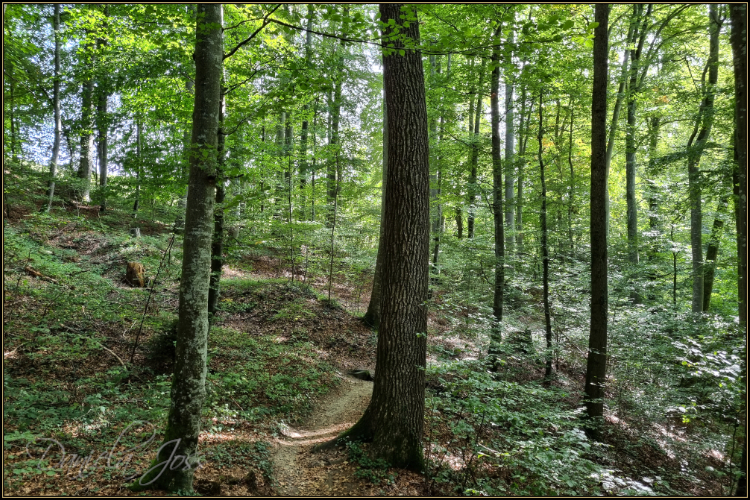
x=374, y=470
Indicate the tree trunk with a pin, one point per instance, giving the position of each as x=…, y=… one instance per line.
x=303, y=165
x=596, y=364
x=138, y=166
x=510, y=165
x=217, y=242
x=474, y=155
x=522, y=141
x=188, y=381
x=738, y=13
x=630, y=158
x=630, y=39
x=571, y=189
x=435, y=210
x=102, y=124
x=333, y=182
x=394, y=420
x=56, y=107
x=87, y=138
x=179, y=223
x=712, y=252
x=497, y=196
x=372, y=316
x=545, y=249
x=704, y=120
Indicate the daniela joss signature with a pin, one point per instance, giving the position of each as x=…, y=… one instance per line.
x=112, y=459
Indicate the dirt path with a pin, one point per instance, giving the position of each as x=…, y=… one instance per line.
x=297, y=471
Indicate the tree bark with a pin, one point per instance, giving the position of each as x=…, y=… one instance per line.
x=102, y=124
x=332, y=173
x=217, y=242
x=303, y=163
x=497, y=197
x=712, y=252
x=188, y=381
x=704, y=120
x=474, y=155
x=510, y=146
x=394, y=420
x=596, y=364
x=372, y=316
x=630, y=153
x=56, y=108
x=87, y=138
x=545, y=249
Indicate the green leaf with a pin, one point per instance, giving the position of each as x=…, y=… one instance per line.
x=593, y=25
x=401, y=52
x=567, y=24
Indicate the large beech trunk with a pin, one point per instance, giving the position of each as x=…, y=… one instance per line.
x=394, y=420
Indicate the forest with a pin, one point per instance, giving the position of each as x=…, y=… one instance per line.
x=362, y=249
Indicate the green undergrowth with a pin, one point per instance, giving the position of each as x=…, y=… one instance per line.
x=69, y=330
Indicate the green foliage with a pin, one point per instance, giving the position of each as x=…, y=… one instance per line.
x=373, y=470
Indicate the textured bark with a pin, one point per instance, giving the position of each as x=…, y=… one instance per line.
x=394, y=420
x=56, y=108
x=712, y=252
x=572, y=187
x=435, y=209
x=303, y=163
x=87, y=138
x=596, y=364
x=188, y=381
x=102, y=124
x=333, y=181
x=522, y=141
x=474, y=154
x=510, y=147
x=544, y=249
x=372, y=316
x=138, y=166
x=704, y=121
x=630, y=147
x=497, y=196
x=738, y=16
x=629, y=40
x=217, y=242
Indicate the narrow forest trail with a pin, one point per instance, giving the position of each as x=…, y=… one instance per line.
x=300, y=472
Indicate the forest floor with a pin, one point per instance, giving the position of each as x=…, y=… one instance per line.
x=277, y=384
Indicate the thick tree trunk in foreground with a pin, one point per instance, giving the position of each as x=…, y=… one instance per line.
x=596, y=365
x=394, y=421
x=188, y=381
x=695, y=151
x=372, y=316
x=56, y=107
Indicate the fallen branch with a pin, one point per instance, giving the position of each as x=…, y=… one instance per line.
x=39, y=275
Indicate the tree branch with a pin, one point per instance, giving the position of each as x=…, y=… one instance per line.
x=247, y=40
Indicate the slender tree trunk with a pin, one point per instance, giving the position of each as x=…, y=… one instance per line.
x=474, y=155
x=217, y=241
x=522, y=141
x=459, y=223
x=87, y=138
x=630, y=39
x=545, y=249
x=510, y=162
x=372, y=316
x=188, y=381
x=56, y=107
x=704, y=120
x=497, y=198
x=138, y=167
x=333, y=183
x=394, y=420
x=571, y=189
x=179, y=223
x=102, y=123
x=435, y=211
x=630, y=152
x=303, y=164
x=596, y=365
x=712, y=252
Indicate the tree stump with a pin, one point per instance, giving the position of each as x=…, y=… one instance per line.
x=136, y=275
x=135, y=232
